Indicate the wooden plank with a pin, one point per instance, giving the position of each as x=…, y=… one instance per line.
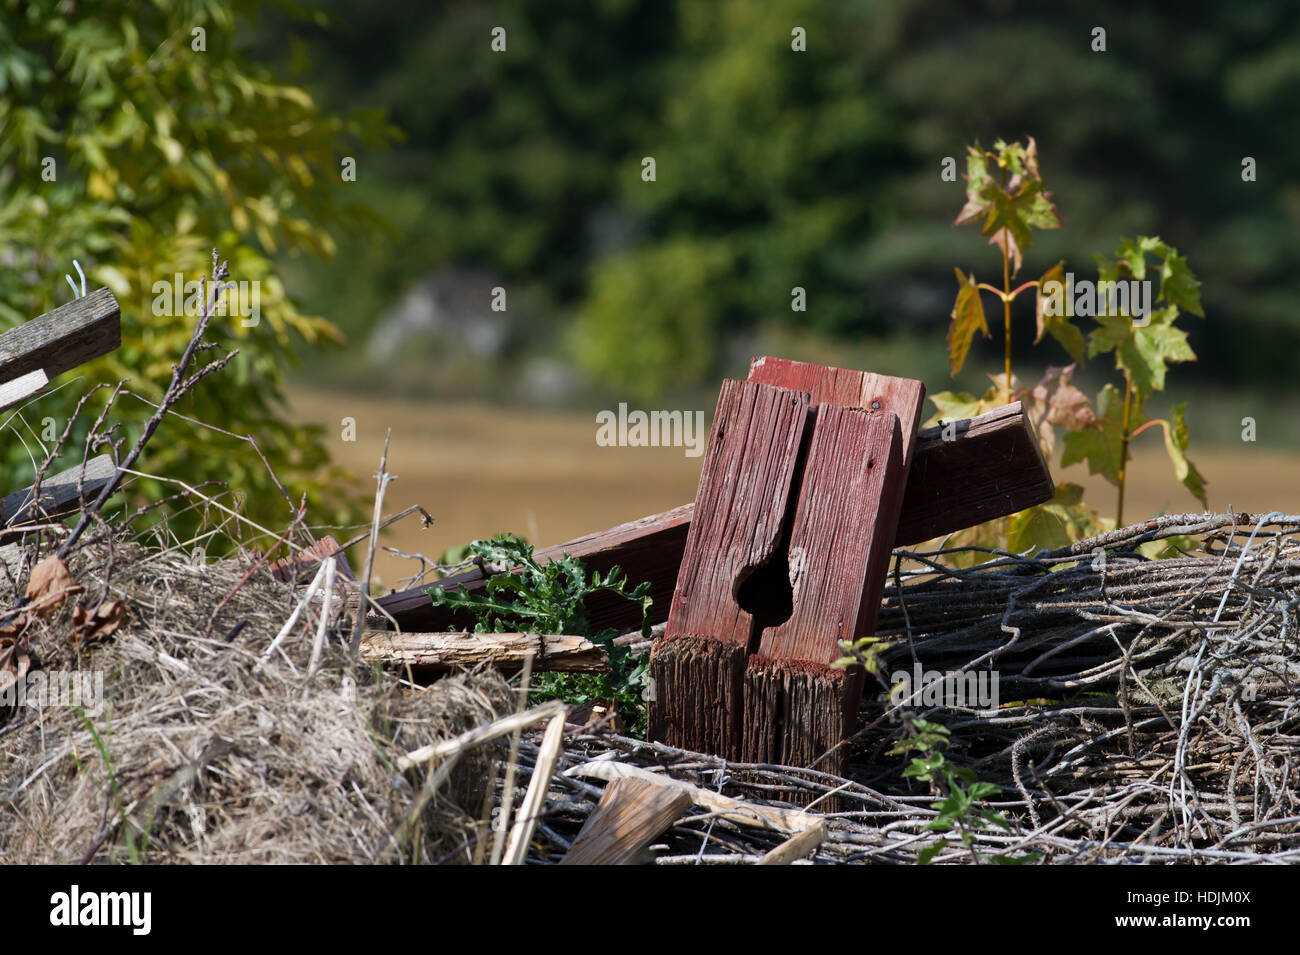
x=464, y=651
x=23, y=387
x=796, y=707
x=59, y=493
x=797, y=846
x=697, y=667
x=64, y=338
x=631, y=813
x=992, y=467
x=732, y=810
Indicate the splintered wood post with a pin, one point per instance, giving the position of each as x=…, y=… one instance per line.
x=796, y=706
x=630, y=813
x=697, y=667
x=64, y=338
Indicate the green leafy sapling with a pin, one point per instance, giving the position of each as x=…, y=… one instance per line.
x=525, y=595
x=1005, y=191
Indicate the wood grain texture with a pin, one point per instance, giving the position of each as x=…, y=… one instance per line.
x=796, y=708
x=631, y=813
x=464, y=651
x=64, y=338
x=842, y=534
x=59, y=492
x=848, y=388
x=745, y=488
x=23, y=387
x=992, y=467
x=746, y=483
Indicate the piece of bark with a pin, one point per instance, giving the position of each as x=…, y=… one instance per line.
x=630, y=814
x=797, y=846
x=448, y=651
x=733, y=810
x=64, y=338
x=992, y=467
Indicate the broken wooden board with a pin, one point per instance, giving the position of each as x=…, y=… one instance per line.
x=996, y=452
x=60, y=340
x=464, y=651
x=796, y=706
x=631, y=813
x=991, y=466
x=750, y=467
x=61, y=494
x=23, y=387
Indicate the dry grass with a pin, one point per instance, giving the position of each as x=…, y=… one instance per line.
x=202, y=756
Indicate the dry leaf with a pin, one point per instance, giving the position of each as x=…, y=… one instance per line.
x=101, y=622
x=50, y=586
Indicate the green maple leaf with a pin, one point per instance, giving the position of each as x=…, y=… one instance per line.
x=967, y=318
x=954, y=406
x=1059, y=326
x=1145, y=353
x=1176, y=448
x=1101, y=445
x=1055, y=523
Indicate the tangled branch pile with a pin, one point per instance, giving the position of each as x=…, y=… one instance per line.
x=1149, y=708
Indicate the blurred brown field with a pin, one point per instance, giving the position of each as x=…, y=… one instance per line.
x=481, y=469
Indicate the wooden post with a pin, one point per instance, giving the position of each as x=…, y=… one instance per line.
x=796, y=706
x=697, y=667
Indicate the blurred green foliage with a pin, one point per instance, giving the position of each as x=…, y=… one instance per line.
x=818, y=169
x=161, y=151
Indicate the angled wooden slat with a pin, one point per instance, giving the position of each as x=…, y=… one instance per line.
x=631, y=813
x=59, y=493
x=23, y=387
x=992, y=466
x=64, y=338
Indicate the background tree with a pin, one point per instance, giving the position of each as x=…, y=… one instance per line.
x=165, y=140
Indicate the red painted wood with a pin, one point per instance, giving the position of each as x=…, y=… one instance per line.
x=841, y=538
x=745, y=486
x=848, y=388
